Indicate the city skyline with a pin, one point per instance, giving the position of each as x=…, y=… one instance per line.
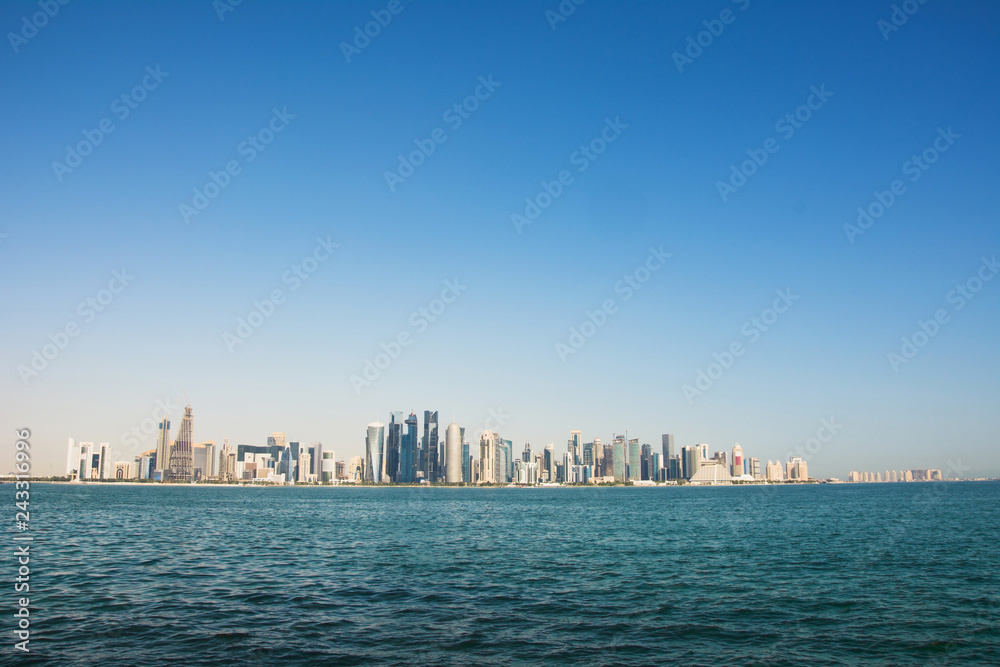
x=398, y=454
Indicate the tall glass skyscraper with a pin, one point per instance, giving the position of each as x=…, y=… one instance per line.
x=508, y=448
x=668, y=451
x=429, y=450
x=466, y=462
x=162, y=450
x=574, y=447
x=619, y=458
x=393, y=444
x=374, y=441
x=634, y=460
x=408, y=451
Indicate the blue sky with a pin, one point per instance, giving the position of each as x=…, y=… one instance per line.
x=495, y=347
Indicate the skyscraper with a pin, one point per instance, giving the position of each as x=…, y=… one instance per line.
x=453, y=454
x=634, y=460
x=574, y=447
x=692, y=460
x=373, y=452
x=429, y=451
x=316, y=453
x=549, y=463
x=105, y=466
x=328, y=466
x=587, y=454
x=466, y=462
x=86, y=467
x=487, y=458
x=668, y=451
x=619, y=460
x=72, y=458
x=408, y=452
x=393, y=446
x=180, y=451
x=163, y=449
x=648, y=472
x=737, y=468
x=508, y=455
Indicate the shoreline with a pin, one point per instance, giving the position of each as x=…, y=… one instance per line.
x=114, y=483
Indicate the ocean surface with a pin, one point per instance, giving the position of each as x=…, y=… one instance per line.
x=823, y=574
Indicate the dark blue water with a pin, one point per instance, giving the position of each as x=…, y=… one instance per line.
x=889, y=573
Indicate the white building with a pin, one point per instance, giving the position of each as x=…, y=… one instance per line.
x=488, y=458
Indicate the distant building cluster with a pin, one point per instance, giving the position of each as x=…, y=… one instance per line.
x=182, y=460
x=399, y=453
x=933, y=475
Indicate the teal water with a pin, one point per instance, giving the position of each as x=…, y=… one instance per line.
x=887, y=573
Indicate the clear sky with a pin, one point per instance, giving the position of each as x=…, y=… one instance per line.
x=642, y=124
